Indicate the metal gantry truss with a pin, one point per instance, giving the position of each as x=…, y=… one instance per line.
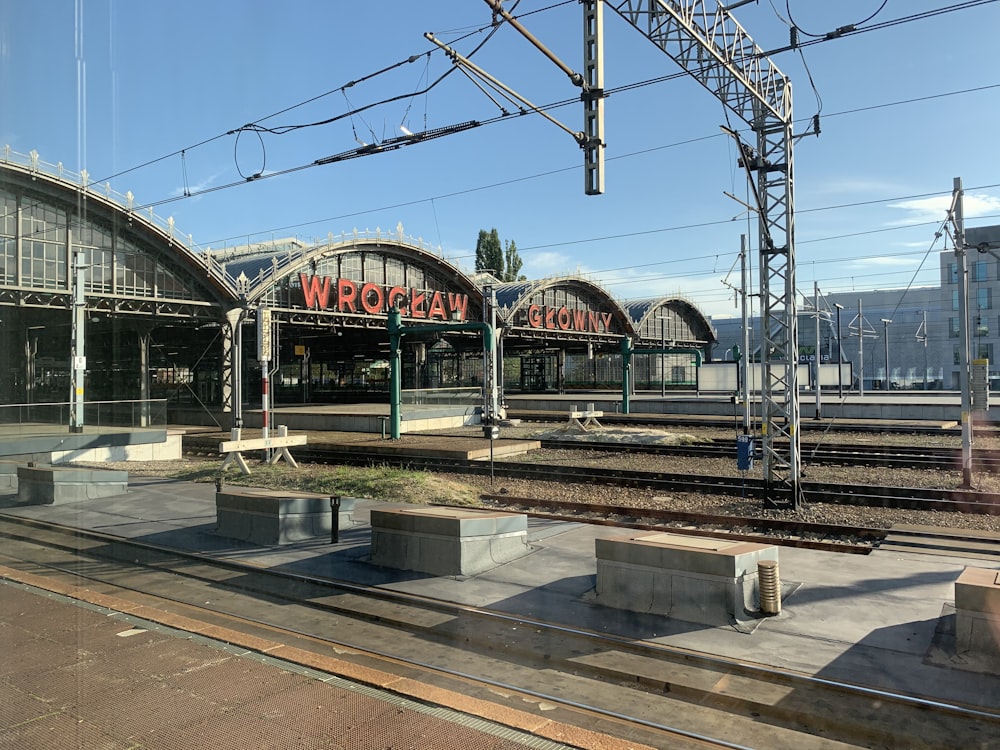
x=715, y=50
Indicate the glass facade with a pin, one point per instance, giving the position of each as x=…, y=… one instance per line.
x=152, y=304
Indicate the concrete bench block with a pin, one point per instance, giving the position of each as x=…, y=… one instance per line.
x=695, y=579
x=977, y=612
x=8, y=475
x=447, y=541
x=52, y=485
x=271, y=517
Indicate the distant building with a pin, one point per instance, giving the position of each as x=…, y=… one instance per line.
x=923, y=336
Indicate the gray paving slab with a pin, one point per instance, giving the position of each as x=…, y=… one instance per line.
x=884, y=619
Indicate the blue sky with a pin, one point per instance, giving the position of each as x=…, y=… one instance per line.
x=122, y=88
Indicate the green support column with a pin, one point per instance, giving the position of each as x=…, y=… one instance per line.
x=396, y=332
x=395, y=376
x=628, y=351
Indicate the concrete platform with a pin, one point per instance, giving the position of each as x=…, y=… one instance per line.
x=942, y=408
x=467, y=448
x=82, y=676
x=886, y=620
x=442, y=446
x=54, y=444
x=446, y=541
x=370, y=418
x=695, y=579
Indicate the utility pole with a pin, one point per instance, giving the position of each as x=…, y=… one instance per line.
x=840, y=350
x=79, y=357
x=861, y=351
x=745, y=314
x=958, y=217
x=264, y=357
x=816, y=357
x=887, y=385
x=491, y=412
x=922, y=338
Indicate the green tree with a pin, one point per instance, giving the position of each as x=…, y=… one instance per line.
x=502, y=261
x=489, y=253
x=512, y=263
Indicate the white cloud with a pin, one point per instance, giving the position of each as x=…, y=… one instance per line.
x=921, y=209
x=936, y=208
x=884, y=261
x=197, y=187
x=539, y=265
x=980, y=205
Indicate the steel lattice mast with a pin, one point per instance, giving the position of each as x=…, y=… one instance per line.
x=715, y=50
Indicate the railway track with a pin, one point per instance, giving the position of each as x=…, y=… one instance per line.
x=913, y=498
x=930, y=540
x=626, y=685
x=842, y=454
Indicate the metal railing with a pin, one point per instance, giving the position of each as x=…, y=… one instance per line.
x=98, y=415
x=442, y=397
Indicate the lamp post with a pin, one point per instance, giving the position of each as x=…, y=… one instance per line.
x=840, y=349
x=663, y=345
x=885, y=323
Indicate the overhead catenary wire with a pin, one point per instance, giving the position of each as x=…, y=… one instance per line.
x=625, y=156
x=848, y=31
x=412, y=58
x=288, y=128
x=791, y=20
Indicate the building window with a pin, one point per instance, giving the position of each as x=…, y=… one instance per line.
x=985, y=351
x=43, y=264
x=8, y=243
x=982, y=325
x=953, y=273
x=955, y=359
x=953, y=328
x=954, y=300
x=984, y=298
x=8, y=256
x=978, y=270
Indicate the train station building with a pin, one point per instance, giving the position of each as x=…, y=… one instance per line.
x=167, y=319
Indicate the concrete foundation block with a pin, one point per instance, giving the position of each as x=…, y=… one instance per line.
x=708, y=581
x=53, y=485
x=270, y=517
x=447, y=541
x=977, y=612
x=8, y=475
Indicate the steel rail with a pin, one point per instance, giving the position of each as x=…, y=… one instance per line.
x=614, y=515
x=942, y=458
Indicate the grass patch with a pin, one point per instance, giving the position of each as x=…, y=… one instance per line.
x=386, y=483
